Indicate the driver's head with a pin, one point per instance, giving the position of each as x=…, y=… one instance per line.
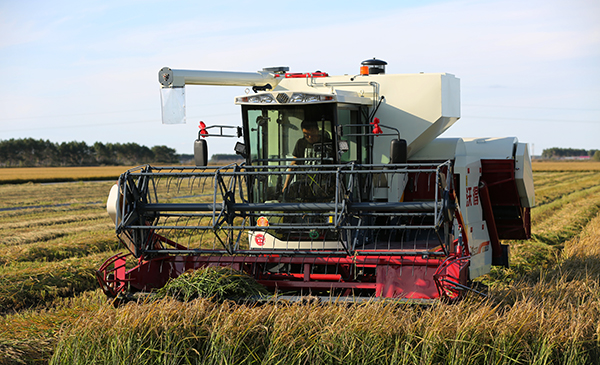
x=310, y=128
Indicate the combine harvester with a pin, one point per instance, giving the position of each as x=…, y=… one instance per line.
x=345, y=190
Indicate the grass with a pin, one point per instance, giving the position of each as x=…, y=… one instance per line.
x=544, y=310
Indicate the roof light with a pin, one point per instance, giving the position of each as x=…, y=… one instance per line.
x=309, y=98
x=297, y=98
x=312, y=98
x=266, y=98
x=260, y=98
x=283, y=98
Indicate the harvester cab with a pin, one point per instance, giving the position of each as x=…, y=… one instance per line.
x=345, y=190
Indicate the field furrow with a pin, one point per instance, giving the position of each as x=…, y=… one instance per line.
x=36, y=223
x=48, y=212
x=581, y=255
x=553, y=224
x=543, y=179
x=74, y=245
x=540, y=214
x=25, y=237
x=555, y=190
x=28, y=284
x=37, y=194
x=568, y=221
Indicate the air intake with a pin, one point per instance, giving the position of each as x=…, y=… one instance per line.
x=282, y=98
x=375, y=66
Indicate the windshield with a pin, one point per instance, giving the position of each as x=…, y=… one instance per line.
x=297, y=137
x=288, y=136
x=283, y=134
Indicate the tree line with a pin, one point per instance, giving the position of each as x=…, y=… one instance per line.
x=29, y=152
x=556, y=152
x=225, y=158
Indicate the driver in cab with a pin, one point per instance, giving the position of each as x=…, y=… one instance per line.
x=304, y=146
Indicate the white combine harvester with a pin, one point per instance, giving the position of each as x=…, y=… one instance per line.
x=345, y=190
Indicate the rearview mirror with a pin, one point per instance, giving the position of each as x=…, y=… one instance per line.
x=240, y=149
x=201, y=152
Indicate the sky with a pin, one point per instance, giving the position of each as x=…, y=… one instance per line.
x=88, y=70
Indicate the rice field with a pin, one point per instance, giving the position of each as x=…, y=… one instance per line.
x=545, y=309
x=14, y=175
x=541, y=165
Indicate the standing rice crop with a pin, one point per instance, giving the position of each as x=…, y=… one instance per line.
x=472, y=332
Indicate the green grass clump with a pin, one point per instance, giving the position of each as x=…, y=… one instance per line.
x=218, y=283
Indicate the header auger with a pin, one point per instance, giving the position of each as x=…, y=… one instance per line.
x=345, y=190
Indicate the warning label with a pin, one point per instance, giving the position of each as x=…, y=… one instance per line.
x=259, y=239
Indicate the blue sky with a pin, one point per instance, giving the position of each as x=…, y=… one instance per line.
x=87, y=71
